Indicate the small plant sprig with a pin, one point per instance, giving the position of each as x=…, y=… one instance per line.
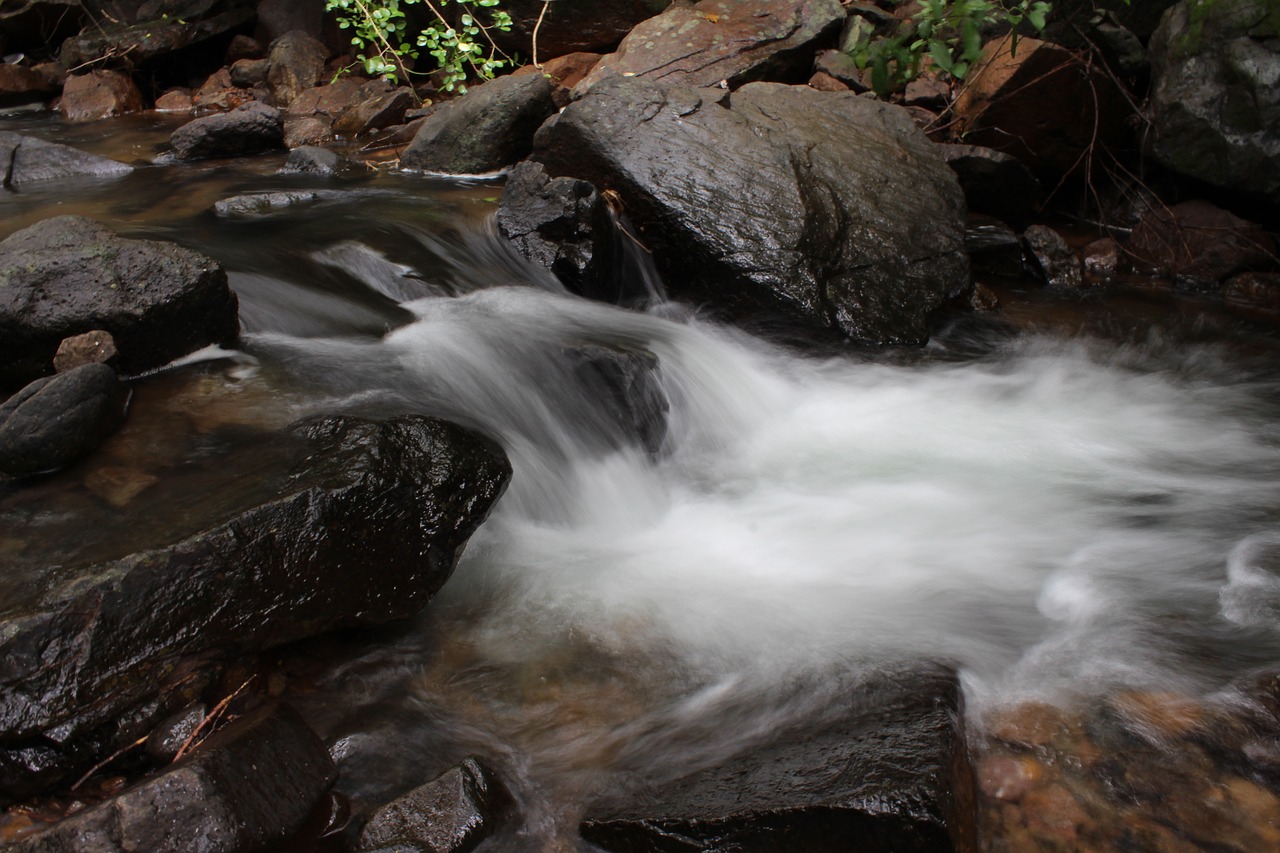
x=948, y=32
x=461, y=43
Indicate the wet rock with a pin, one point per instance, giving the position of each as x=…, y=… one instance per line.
x=96, y=347
x=69, y=275
x=1199, y=244
x=22, y=85
x=984, y=299
x=296, y=63
x=1215, y=95
x=375, y=113
x=558, y=223
x=28, y=160
x=490, y=127
x=313, y=160
x=260, y=204
x=889, y=774
x=153, y=36
x=1008, y=778
x=217, y=94
x=994, y=248
x=1051, y=258
x=1042, y=106
x=1101, y=259
x=1053, y=812
x=118, y=486
x=1037, y=725
x=994, y=183
x=627, y=384
x=332, y=99
x=1159, y=717
x=248, y=787
x=95, y=641
x=173, y=733
x=249, y=129
x=450, y=814
x=98, y=94
x=737, y=41
x=833, y=212
x=56, y=420
x=573, y=25
x=564, y=72
x=1254, y=291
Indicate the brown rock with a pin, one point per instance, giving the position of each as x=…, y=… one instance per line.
x=1053, y=812
x=96, y=347
x=247, y=73
x=330, y=100
x=736, y=41
x=297, y=64
x=1008, y=778
x=1254, y=291
x=118, y=486
x=565, y=72
x=306, y=130
x=176, y=101
x=1199, y=243
x=376, y=113
x=219, y=95
x=1034, y=724
x=928, y=92
x=840, y=65
x=22, y=85
x=98, y=94
x=1101, y=259
x=1052, y=258
x=1039, y=106
x=824, y=82
x=1159, y=715
x=983, y=298
x=244, y=47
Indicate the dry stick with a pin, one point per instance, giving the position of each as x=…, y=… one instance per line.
x=110, y=758
x=537, y=26
x=217, y=709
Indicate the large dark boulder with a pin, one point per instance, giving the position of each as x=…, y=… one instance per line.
x=251, y=128
x=737, y=41
x=573, y=25
x=450, y=814
x=248, y=787
x=56, y=420
x=887, y=773
x=342, y=521
x=1215, y=94
x=824, y=210
x=26, y=160
x=489, y=127
x=69, y=275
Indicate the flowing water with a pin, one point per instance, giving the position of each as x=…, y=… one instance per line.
x=1080, y=505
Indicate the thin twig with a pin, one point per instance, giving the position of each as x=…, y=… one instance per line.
x=217, y=709
x=537, y=26
x=110, y=758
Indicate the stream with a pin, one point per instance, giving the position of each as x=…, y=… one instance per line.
x=1077, y=505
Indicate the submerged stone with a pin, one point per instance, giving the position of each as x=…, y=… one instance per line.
x=56, y=420
x=27, y=160
x=891, y=773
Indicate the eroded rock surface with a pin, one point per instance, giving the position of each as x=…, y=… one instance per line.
x=450, y=814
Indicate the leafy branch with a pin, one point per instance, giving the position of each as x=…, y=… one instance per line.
x=461, y=44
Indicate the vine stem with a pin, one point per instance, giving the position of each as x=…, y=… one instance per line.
x=537, y=26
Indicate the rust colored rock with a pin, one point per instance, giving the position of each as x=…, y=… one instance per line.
x=22, y=85
x=176, y=101
x=565, y=72
x=247, y=73
x=98, y=94
x=219, y=95
x=1254, y=291
x=1053, y=812
x=119, y=486
x=96, y=347
x=1101, y=259
x=375, y=113
x=824, y=82
x=840, y=65
x=1199, y=243
x=330, y=100
x=736, y=41
x=1162, y=716
x=297, y=63
x=308, y=130
x=1042, y=105
x=1034, y=724
x=1008, y=778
